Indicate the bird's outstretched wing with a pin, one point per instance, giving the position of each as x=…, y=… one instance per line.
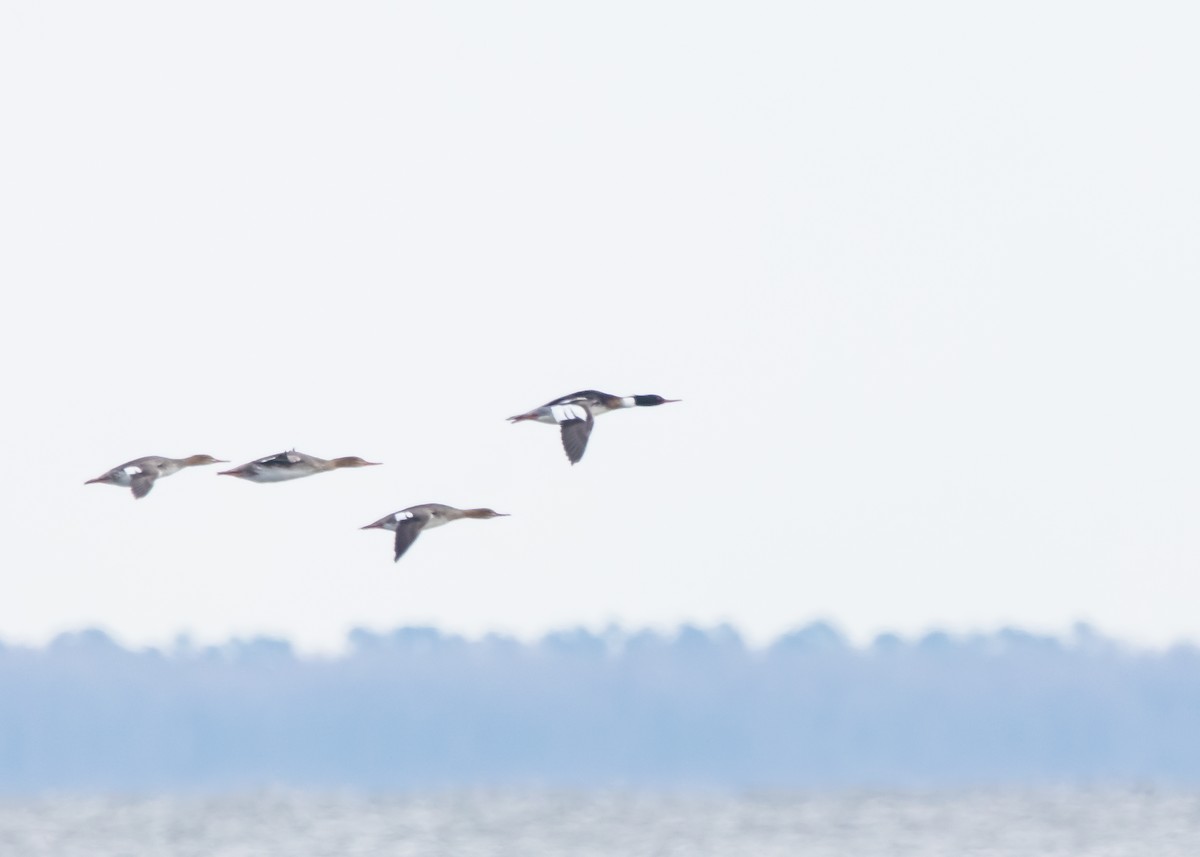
x=576, y=421
x=283, y=459
x=407, y=531
x=141, y=484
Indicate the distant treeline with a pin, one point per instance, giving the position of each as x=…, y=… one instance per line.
x=417, y=708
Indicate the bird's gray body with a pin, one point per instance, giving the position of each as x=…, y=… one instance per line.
x=280, y=467
x=285, y=466
x=408, y=523
x=140, y=474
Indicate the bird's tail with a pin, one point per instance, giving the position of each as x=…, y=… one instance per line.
x=519, y=417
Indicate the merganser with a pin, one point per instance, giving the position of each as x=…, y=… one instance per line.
x=139, y=474
x=408, y=523
x=291, y=465
x=576, y=414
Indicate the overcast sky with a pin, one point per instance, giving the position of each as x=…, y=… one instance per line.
x=925, y=276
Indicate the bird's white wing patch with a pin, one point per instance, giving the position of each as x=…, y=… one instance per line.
x=132, y=470
x=402, y=516
x=563, y=413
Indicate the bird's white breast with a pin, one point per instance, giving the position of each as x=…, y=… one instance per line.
x=278, y=474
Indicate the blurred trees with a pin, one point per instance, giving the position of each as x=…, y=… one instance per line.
x=417, y=708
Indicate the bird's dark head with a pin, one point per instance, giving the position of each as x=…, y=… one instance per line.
x=650, y=401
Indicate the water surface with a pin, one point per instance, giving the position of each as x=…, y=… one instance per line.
x=1078, y=823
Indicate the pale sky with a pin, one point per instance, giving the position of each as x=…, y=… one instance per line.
x=925, y=276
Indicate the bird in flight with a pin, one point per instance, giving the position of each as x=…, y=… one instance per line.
x=575, y=414
x=408, y=523
x=291, y=465
x=140, y=474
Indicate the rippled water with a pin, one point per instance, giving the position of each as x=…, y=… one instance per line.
x=482, y=824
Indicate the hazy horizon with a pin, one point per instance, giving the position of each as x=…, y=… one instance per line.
x=1077, y=633
x=415, y=709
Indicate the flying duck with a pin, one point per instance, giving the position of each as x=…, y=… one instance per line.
x=139, y=474
x=408, y=523
x=291, y=465
x=577, y=412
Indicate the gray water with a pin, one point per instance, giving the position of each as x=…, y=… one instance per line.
x=1079, y=823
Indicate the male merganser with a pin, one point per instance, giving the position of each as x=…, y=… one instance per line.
x=139, y=474
x=576, y=413
x=291, y=465
x=408, y=523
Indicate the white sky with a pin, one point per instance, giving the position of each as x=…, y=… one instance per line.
x=925, y=275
